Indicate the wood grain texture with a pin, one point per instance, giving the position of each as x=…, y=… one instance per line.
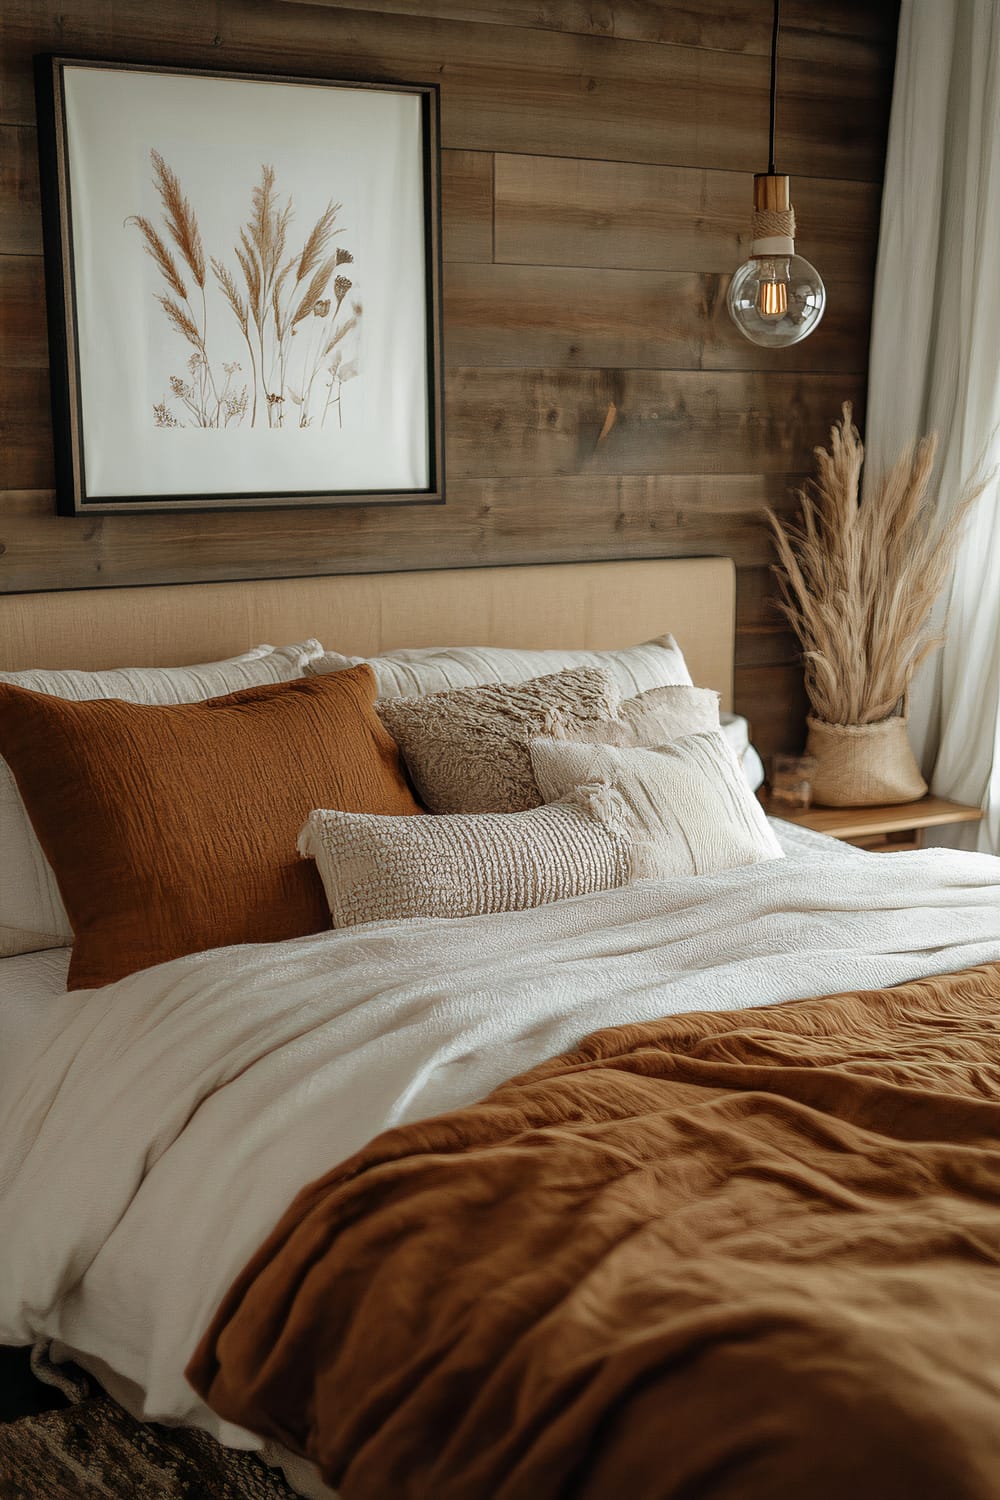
x=533, y=422
x=20, y=208
x=666, y=320
x=635, y=216
x=595, y=200
x=774, y=702
x=864, y=822
x=25, y=430
x=490, y=521
x=725, y=25
x=23, y=337
x=467, y=205
x=500, y=90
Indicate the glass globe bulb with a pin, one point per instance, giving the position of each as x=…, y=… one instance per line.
x=776, y=300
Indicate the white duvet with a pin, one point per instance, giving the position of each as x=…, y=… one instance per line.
x=151, y=1140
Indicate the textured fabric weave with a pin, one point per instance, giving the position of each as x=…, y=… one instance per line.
x=467, y=750
x=465, y=865
x=172, y=829
x=689, y=809
x=416, y=672
x=32, y=915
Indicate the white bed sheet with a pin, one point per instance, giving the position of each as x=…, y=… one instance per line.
x=152, y=1132
x=29, y=983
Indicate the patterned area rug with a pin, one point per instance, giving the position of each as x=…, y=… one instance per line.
x=93, y=1450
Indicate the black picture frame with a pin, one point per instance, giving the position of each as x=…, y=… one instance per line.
x=67, y=377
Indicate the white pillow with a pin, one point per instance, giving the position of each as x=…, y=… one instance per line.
x=737, y=732
x=436, y=669
x=666, y=713
x=32, y=915
x=689, y=808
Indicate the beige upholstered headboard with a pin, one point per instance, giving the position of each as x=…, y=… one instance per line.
x=596, y=605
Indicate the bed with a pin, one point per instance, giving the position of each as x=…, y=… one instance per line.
x=426, y=1089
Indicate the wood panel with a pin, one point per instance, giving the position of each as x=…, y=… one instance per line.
x=500, y=90
x=467, y=205
x=595, y=188
x=23, y=339
x=532, y=422
x=490, y=521
x=20, y=209
x=667, y=320
x=631, y=215
x=773, y=699
x=859, y=30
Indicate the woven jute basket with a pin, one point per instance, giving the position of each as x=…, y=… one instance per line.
x=863, y=765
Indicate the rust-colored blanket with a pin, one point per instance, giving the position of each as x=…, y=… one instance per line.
x=744, y=1256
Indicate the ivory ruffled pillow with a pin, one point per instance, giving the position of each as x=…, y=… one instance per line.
x=687, y=807
x=464, y=865
x=666, y=713
x=649, y=719
x=467, y=750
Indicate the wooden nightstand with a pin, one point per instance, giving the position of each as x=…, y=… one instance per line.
x=883, y=830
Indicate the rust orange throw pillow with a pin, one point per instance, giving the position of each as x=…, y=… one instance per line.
x=173, y=829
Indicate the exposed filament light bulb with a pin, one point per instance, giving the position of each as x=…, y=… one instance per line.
x=775, y=298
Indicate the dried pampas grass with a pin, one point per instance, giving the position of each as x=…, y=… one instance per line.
x=858, y=581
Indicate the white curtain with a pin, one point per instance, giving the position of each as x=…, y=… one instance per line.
x=935, y=362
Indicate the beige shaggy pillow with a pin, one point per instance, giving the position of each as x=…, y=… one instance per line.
x=387, y=869
x=467, y=750
x=649, y=719
x=687, y=806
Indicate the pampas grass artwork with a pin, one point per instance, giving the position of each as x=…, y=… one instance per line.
x=291, y=322
x=858, y=581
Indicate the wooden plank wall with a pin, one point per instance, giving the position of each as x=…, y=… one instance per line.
x=596, y=198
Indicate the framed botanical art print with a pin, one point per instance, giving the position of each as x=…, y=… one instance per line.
x=243, y=282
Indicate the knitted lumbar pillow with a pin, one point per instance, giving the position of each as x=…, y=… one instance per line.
x=465, y=864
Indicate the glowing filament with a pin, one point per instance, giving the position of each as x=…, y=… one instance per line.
x=772, y=299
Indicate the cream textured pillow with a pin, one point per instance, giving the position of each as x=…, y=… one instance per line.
x=649, y=719
x=433, y=669
x=663, y=714
x=467, y=750
x=32, y=915
x=688, y=808
x=377, y=869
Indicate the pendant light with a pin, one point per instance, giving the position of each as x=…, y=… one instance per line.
x=776, y=297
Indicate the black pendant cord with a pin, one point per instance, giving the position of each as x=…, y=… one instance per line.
x=774, y=84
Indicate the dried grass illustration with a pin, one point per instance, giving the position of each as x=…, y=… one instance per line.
x=282, y=303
